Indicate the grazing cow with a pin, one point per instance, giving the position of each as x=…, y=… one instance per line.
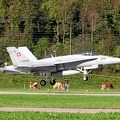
x=58, y=86
x=106, y=85
x=33, y=85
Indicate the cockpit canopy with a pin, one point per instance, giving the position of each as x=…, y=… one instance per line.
x=88, y=53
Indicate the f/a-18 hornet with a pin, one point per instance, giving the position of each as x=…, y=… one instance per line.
x=24, y=62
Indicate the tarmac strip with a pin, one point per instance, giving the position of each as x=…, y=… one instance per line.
x=48, y=93
x=68, y=110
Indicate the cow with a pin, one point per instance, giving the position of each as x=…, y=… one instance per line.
x=106, y=85
x=58, y=85
x=33, y=85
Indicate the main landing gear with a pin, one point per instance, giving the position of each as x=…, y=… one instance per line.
x=52, y=82
x=85, y=72
x=43, y=82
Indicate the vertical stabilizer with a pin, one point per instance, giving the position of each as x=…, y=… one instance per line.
x=18, y=58
x=27, y=53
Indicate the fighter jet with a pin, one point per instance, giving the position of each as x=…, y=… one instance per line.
x=24, y=62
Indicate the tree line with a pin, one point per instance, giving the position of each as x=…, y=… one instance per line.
x=47, y=25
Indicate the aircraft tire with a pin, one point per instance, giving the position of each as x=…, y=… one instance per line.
x=85, y=78
x=42, y=82
x=52, y=82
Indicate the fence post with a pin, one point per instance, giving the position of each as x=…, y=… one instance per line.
x=117, y=88
x=24, y=86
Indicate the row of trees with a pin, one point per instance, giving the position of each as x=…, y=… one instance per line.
x=44, y=25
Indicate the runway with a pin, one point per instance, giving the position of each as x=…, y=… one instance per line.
x=59, y=93
x=70, y=110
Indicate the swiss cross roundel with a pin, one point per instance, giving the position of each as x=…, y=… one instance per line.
x=18, y=54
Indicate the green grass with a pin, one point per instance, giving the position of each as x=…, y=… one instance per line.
x=60, y=101
x=45, y=89
x=20, y=83
x=57, y=116
x=76, y=81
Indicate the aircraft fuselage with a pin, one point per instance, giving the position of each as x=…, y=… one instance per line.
x=73, y=61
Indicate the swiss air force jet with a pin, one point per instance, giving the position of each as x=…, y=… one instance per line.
x=24, y=62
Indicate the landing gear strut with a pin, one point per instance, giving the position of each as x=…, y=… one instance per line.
x=85, y=72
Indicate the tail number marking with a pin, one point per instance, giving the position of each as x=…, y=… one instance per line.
x=24, y=61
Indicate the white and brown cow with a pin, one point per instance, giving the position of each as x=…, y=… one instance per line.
x=33, y=85
x=58, y=85
x=106, y=85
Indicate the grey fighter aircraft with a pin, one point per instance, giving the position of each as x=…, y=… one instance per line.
x=24, y=62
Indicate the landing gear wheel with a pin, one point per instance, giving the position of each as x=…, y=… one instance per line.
x=43, y=82
x=52, y=82
x=85, y=78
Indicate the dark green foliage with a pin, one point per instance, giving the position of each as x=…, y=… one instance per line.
x=28, y=23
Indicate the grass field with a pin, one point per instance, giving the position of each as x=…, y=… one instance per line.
x=57, y=116
x=77, y=85
x=59, y=101
x=76, y=82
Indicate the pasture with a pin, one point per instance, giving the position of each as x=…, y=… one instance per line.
x=77, y=85
x=59, y=101
x=57, y=116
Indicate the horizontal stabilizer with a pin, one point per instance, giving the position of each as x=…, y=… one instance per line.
x=13, y=70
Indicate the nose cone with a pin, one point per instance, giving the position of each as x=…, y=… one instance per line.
x=116, y=60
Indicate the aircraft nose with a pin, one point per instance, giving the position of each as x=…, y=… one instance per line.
x=116, y=60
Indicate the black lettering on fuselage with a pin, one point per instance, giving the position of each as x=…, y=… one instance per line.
x=24, y=61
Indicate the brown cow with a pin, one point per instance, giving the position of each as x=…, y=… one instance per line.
x=106, y=85
x=58, y=86
x=33, y=85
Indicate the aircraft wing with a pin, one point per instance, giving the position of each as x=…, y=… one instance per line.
x=76, y=61
x=58, y=66
x=41, y=68
x=72, y=64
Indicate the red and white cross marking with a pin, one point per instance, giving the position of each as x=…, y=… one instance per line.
x=18, y=54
